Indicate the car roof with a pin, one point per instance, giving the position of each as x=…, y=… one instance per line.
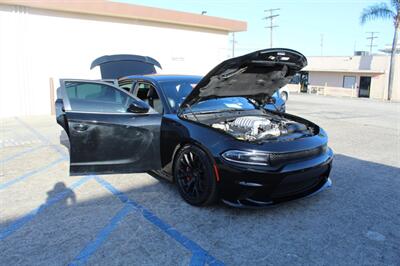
x=162, y=77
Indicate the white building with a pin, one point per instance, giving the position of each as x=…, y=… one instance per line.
x=42, y=41
x=351, y=76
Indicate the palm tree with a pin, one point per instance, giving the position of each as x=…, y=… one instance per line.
x=384, y=11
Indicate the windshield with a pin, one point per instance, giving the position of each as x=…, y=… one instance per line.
x=177, y=90
x=223, y=104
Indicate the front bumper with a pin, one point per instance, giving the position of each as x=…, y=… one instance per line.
x=253, y=187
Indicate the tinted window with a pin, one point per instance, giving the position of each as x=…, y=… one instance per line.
x=95, y=97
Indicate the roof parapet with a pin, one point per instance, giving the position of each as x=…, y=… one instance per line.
x=135, y=12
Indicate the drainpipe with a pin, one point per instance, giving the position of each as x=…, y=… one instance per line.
x=52, y=100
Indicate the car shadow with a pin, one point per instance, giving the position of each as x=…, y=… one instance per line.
x=364, y=198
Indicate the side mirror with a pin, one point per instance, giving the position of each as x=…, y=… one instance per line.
x=138, y=107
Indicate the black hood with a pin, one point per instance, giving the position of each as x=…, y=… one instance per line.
x=256, y=75
x=121, y=65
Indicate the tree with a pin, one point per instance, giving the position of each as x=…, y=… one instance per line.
x=384, y=11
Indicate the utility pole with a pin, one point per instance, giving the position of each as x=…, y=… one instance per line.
x=355, y=48
x=322, y=44
x=233, y=41
x=371, y=38
x=271, y=22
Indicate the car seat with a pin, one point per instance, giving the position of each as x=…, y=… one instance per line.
x=154, y=100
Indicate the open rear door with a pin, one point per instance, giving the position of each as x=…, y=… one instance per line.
x=105, y=134
x=122, y=65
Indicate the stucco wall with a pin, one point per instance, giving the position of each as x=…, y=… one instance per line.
x=329, y=72
x=325, y=79
x=37, y=45
x=333, y=83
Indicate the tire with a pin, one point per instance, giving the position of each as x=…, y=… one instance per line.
x=284, y=96
x=194, y=176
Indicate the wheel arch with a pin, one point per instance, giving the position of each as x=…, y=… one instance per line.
x=286, y=93
x=182, y=144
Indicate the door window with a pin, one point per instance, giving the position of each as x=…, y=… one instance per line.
x=96, y=97
x=148, y=94
x=127, y=85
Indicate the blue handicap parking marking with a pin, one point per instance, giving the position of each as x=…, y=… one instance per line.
x=31, y=173
x=199, y=255
x=198, y=258
x=32, y=214
x=21, y=141
x=37, y=170
x=41, y=137
x=19, y=154
x=92, y=247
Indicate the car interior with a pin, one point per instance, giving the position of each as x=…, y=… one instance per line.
x=148, y=94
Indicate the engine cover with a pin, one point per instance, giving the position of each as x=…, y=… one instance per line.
x=253, y=128
x=252, y=123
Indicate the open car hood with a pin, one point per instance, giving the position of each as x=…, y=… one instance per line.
x=256, y=75
x=121, y=65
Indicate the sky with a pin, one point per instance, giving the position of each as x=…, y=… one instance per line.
x=301, y=23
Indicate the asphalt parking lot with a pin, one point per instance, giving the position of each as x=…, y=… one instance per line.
x=50, y=218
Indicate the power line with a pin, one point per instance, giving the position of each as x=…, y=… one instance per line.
x=371, y=38
x=322, y=44
x=271, y=22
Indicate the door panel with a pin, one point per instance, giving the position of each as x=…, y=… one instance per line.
x=113, y=143
x=104, y=137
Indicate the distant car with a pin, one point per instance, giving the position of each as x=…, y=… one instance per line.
x=213, y=137
x=278, y=105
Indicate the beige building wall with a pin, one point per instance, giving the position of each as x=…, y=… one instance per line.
x=331, y=83
x=326, y=75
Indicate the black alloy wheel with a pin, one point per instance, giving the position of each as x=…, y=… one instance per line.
x=194, y=176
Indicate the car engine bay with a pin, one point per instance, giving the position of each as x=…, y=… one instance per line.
x=255, y=127
x=258, y=128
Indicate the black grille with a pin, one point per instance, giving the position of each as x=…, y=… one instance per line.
x=281, y=158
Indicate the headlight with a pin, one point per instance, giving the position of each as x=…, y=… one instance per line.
x=246, y=157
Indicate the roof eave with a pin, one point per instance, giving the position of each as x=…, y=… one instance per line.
x=135, y=12
x=366, y=71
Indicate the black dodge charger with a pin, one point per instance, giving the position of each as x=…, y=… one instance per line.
x=212, y=136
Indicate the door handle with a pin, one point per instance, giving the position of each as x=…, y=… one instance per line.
x=80, y=127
